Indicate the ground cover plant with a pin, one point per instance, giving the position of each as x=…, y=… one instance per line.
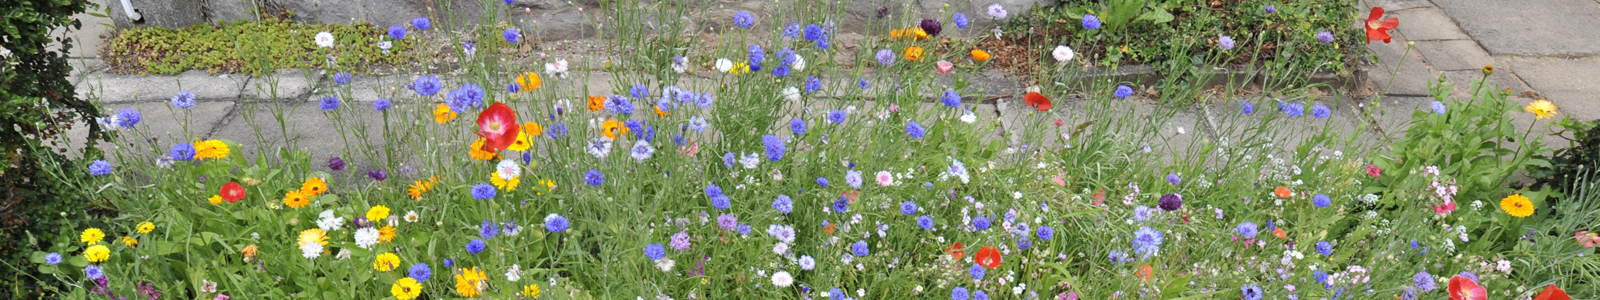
x=765, y=167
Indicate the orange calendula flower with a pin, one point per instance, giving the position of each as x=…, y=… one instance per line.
x=918, y=33
x=386, y=234
x=897, y=33
x=913, y=53
x=1542, y=107
x=613, y=128
x=532, y=129
x=296, y=199
x=210, y=149
x=529, y=81
x=1517, y=205
x=478, y=153
x=422, y=186
x=1283, y=192
x=250, y=251
x=314, y=186
x=597, y=103
x=442, y=113
x=471, y=282
x=980, y=55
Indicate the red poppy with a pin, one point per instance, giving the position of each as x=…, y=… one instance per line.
x=852, y=194
x=1377, y=30
x=988, y=257
x=1146, y=273
x=1036, y=101
x=956, y=251
x=232, y=191
x=828, y=230
x=1099, y=197
x=1551, y=292
x=1462, y=288
x=498, y=127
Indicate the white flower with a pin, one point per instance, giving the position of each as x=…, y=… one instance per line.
x=558, y=68
x=411, y=216
x=724, y=65
x=514, y=274
x=665, y=264
x=799, y=63
x=997, y=11
x=1180, y=129
x=324, y=40
x=791, y=94
x=327, y=222
x=1062, y=53
x=344, y=253
x=780, y=248
x=508, y=169
x=641, y=150
x=385, y=45
x=782, y=279
x=680, y=64
x=599, y=147
x=1504, y=266
x=366, y=237
x=311, y=250
x=969, y=118
x=750, y=161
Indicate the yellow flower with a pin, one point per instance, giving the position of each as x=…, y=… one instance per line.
x=897, y=33
x=739, y=68
x=314, y=186
x=386, y=262
x=130, y=241
x=470, y=282
x=980, y=55
x=913, y=53
x=521, y=144
x=296, y=199
x=92, y=236
x=97, y=253
x=1517, y=205
x=422, y=186
x=386, y=234
x=503, y=184
x=146, y=227
x=550, y=186
x=215, y=199
x=597, y=103
x=529, y=81
x=1488, y=69
x=442, y=113
x=477, y=151
x=314, y=235
x=919, y=34
x=531, y=291
x=211, y=149
x=612, y=129
x=1542, y=107
x=406, y=288
x=377, y=213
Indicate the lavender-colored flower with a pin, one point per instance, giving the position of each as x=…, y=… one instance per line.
x=976, y=271
x=655, y=251
x=853, y=178
x=1320, y=111
x=420, y=272
x=556, y=223
x=885, y=57
x=807, y=263
x=476, y=246
x=791, y=31
x=837, y=116
x=813, y=84
x=1173, y=178
x=980, y=223
x=680, y=241
x=863, y=84
x=1423, y=281
x=951, y=98
x=728, y=159
x=1226, y=42
x=182, y=152
x=783, y=204
x=594, y=178
x=908, y=207
x=1171, y=202
x=1325, y=248
x=859, y=248
x=1325, y=37
x=727, y=221
x=94, y=272
x=1293, y=109
x=1024, y=242
x=128, y=117
x=915, y=130
x=467, y=96
x=1091, y=22
x=997, y=11
x=52, y=258
x=449, y=262
x=487, y=229
x=100, y=168
x=639, y=91
x=960, y=20
x=931, y=26
x=336, y=163
x=378, y=174
x=1123, y=92
x=822, y=181
x=184, y=100
x=427, y=85
x=744, y=19
x=1321, y=200
x=1141, y=213
x=1469, y=275
x=925, y=222
x=1438, y=107
x=1247, y=230
x=329, y=102
x=1251, y=292
x=421, y=23
x=813, y=32
x=619, y=104
x=1246, y=108
x=381, y=104
x=797, y=126
x=1046, y=233
x=511, y=35
x=1117, y=257
x=483, y=191
x=1146, y=242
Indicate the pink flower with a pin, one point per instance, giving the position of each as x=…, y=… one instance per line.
x=1374, y=171
x=1059, y=181
x=884, y=178
x=944, y=66
x=1447, y=207
x=1588, y=239
x=894, y=108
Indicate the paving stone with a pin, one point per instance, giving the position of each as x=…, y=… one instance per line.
x=1392, y=5
x=1392, y=115
x=1454, y=55
x=160, y=123
x=111, y=88
x=1533, y=27
x=1413, y=76
x=1498, y=81
x=316, y=133
x=283, y=84
x=1425, y=24
x=1571, y=84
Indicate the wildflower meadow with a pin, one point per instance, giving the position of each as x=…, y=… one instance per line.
x=764, y=160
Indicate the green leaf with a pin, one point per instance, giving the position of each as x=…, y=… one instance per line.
x=1158, y=16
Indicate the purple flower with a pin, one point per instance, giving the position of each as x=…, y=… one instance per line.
x=619, y=105
x=813, y=32
x=908, y=207
x=1173, y=178
x=52, y=258
x=381, y=104
x=853, y=178
x=980, y=223
x=842, y=205
x=476, y=246
x=182, y=152
x=774, y=145
x=467, y=96
x=822, y=181
x=1325, y=248
x=1226, y=42
x=859, y=248
x=1424, y=281
x=932, y=27
x=976, y=271
x=94, y=272
x=483, y=191
x=336, y=163
x=556, y=223
x=1246, y=107
x=798, y=126
x=487, y=230
x=1321, y=200
x=885, y=57
x=1438, y=107
x=420, y=272
x=744, y=19
x=594, y=178
x=1171, y=202
x=925, y=222
x=980, y=295
x=1046, y=233
x=783, y=204
x=1146, y=242
x=960, y=20
x=511, y=35
x=837, y=116
x=1320, y=111
x=184, y=99
x=915, y=130
x=1325, y=37
x=1293, y=109
x=951, y=98
x=756, y=57
x=1251, y=292
x=100, y=168
x=329, y=102
x=727, y=221
x=1247, y=230
x=791, y=31
x=998, y=12
x=378, y=174
x=1091, y=22
x=1271, y=9
x=1123, y=92
x=421, y=23
x=397, y=32
x=680, y=241
x=427, y=85
x=958, y=293
x=655, y=251
x=1023, y=243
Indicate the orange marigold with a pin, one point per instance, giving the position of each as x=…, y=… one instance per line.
x=442, y=113
x=296, y=199
x=613, y=128
x=477, y=151
x=597, y=103
x=913, y=53
x=980, y=55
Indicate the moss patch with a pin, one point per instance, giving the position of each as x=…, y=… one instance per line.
x=251, y=47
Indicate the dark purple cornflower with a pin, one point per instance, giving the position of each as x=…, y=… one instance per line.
x=932, y=27
x=1171, y=202
x=378, y=174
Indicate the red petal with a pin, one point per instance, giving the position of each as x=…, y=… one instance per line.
x=1377, y=12
x=1037, y=101
x=1552, y=292
x=506, y=118
x=1391, y=23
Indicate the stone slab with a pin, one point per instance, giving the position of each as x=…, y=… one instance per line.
x=1392, y=5
x=110, y=88
x=161, y=125
x=1413, y=76
x=1499, y=81
x=1572, y=84
x=1426, y=24
x=1532, y=27
x=283, y=84
x=1454, y=55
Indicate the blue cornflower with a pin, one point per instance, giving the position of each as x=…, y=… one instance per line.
x=555, y=223
x=129, y=117
x=884, y=57
x=860, y=249
x=835, y=293
x=836, y=116
x=774, y=145
x=863, y=84
x=1246, y=107
x=1321, y=200
x=1251, y=292
x=783, y=204
x=797, y=126
x=483, y=191
x=513, y=87
x=639, y=91
x=1438, y=107
x=807, y=263
x=510, y=229
x=1024, y=242
x=184, y=100
x=1146, y=242
x=925, y=222
x=487, y=229
x=813, y=84
x=951, y=98
x=342, y=78
x=704, y=100
x=822, y=42
x=908, y=207
x=329, y=102
x=1469, y=275
x=476, y=246
x=619, y=105
x=697, y=124
x=1320, y=276
x=822, y=181
x=1174, y=179
x=977, y=271
x=427, y=85
x=182, y=152
x=853, y=178
x=420, y=272
x=594, y=178
x=842, y=205
x=980, y=295
x=1325, y=248
x=52, y=258
x=467, y=96
x=1424, y=281
x=756, y=56
x=94, y=272
x=560, y=130
x=511, y=35
x=635, y=125
x=915, y=130
x=980, y=223
x=1320, y=111
x=727, y=159
x=813, y=32
x=1123, y=92
x=1117, y=257
x=744, y=19
x=397, y=31
x=792, y=30
x=381, y=104
x=449, y=262
x=781, y=70
x=1091, y=22
x=786, y=57
x=421, y=23
x=1271, y=9
x=1046, y=233
x=958, y=293
x=100, y=168
x=655, y=251
x=1247, y=230
x=960, y=20
x=1293, y=109
x=721, y=202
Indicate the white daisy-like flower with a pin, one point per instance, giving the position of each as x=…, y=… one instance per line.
x=642, y=150
x=344, y=254
x=1062, y=53
x=799, y=63
x=724, y=65
x=791, y=94
x=665, y=264
x=366, y=237
x=782, y=279
x=514, y=274
x=328, y=222
x=508, y=169
x=324, y=40
x=969, y=118
x=311, y=250
x=412, y=217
